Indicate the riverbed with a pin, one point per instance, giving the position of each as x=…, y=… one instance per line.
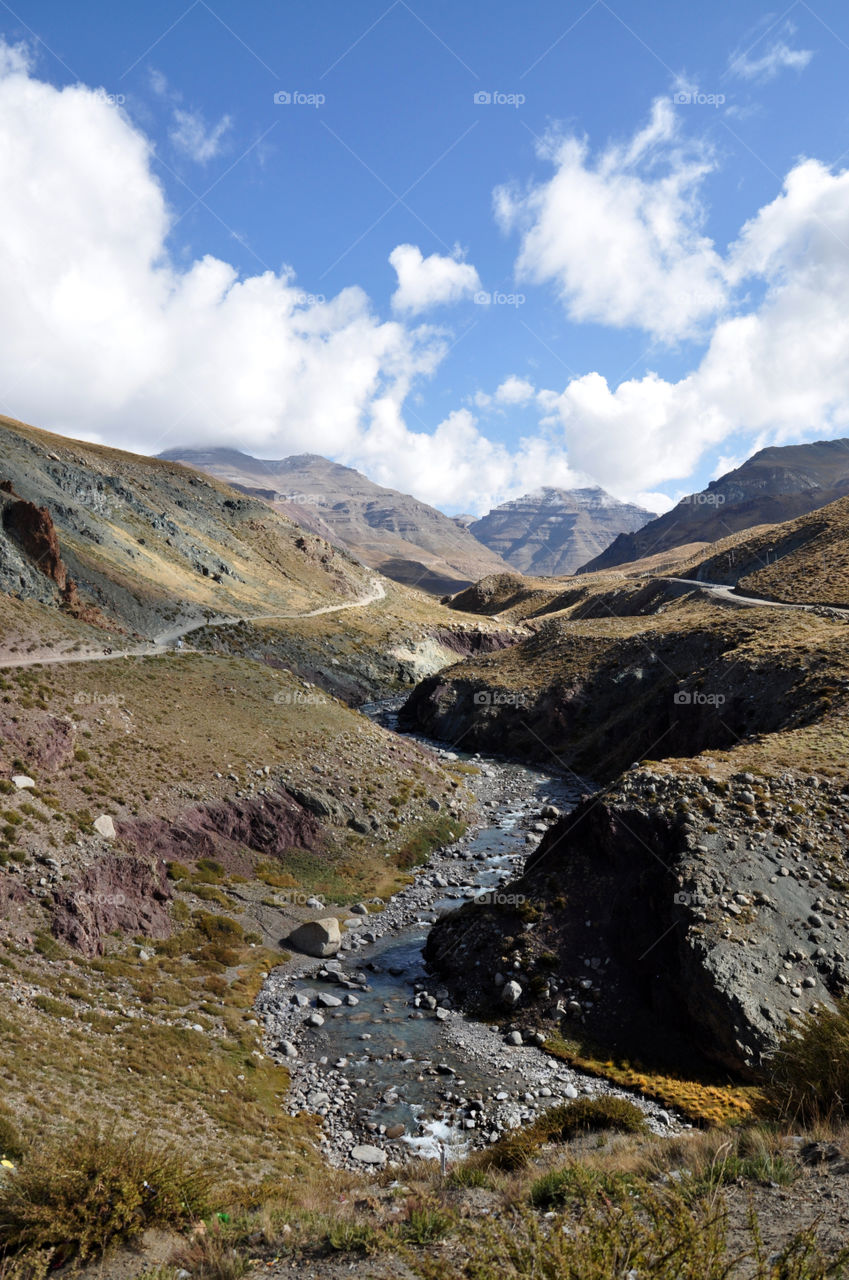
x=372, y=1041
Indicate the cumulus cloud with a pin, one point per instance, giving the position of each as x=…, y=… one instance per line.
x=619, y=235
x=777, y=371
x=195, y=138
x=429, y=282
x=108, y=336
x=778, y=57
x=514, y=390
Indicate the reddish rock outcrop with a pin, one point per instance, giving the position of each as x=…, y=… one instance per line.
x=126, y=893
x=267, y=825
x=32, y=528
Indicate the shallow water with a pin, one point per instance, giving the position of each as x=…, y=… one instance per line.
x=402, y=1059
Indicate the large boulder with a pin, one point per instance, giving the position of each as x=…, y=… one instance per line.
x=319, y=938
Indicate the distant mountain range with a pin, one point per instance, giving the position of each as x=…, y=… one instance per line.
x=552, y=532
x=772, y=486
x=403, y=538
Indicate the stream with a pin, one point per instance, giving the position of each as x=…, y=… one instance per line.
x=372, y=1041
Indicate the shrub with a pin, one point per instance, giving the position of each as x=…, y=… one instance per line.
x=425, y=1224
x=809, y=1077
x=73, y=1196
x=589, y=1115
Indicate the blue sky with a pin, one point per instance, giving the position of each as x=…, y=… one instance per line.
x=591, y=167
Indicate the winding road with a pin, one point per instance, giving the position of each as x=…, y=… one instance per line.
x=166, y=640
x=728, y=595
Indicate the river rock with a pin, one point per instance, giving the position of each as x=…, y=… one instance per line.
x=317, y=937
x=367, y=1154
x=396, y=1131
x=326, y=1001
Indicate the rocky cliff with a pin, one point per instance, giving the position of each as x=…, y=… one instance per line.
x=772, y=486
x=672, y=917
x=554, y=531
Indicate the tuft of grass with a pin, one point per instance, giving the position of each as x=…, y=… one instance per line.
x=560, y=1124
x=589, y=1115
x=73, y=1196
x=347, y=1236
x=809, y=1076
x=426, y=1223
x=210, y=1255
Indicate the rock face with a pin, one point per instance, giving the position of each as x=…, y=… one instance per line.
x=686, y=915
x=269, y=824
x=554, y=531
x=772, y=486
x=405, y=539
x=126, y=893
x=319, y=938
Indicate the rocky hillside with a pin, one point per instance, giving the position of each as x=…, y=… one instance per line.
x=772, y=486
x=554, y=531
x=804, y=561
x=145, y=546
x=405, y=539
x=712, y=882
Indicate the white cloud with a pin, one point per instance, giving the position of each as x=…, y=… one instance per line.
x=620, y=235
x=777, y=58
x=107, y=336
x=199, y=141
x=514, y=390
x=429, y=282
x=776, y=373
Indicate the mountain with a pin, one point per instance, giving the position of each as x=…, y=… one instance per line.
x=405, y=539
x=552, y=531
x=772, y=486
x=142, y=545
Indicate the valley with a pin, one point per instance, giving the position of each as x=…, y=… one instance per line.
x=577, y=847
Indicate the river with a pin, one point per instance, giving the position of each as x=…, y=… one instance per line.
x=392, y=1063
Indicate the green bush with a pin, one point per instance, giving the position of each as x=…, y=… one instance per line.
x=72, y=1196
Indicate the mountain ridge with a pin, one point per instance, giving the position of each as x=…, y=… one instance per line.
x=549, y=532
x=395, y=533
x=774, y=485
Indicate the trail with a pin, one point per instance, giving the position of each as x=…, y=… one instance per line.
x=721, y=591
x=165, y=641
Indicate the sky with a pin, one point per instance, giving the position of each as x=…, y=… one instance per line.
x=466, y=246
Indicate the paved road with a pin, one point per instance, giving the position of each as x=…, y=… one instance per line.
x=728, y=594
x=166, y=640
